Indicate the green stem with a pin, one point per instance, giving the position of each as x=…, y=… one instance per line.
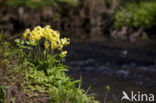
x=39, y=49
x=106, y=96
x=52, y=54
x=61, y=58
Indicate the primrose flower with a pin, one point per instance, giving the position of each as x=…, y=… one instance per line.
x=51, y=37
x=63, y=53
x=48, y=33
x=38, y=28
x=65, y=41
x=34, y=36
x=47, y=27
x=54, y=45
x=25, y=34
x=60, y=47
x=46, y=45
x=56, y=34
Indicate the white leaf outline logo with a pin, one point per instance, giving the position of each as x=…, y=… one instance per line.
x=125, y=96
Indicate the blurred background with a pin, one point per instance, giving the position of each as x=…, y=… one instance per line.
x=113, y=41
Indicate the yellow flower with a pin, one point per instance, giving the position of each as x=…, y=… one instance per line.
x=46, y=44
x=51, y=36
x=38, y=28
x=65, y=41
x=47, y=33
x=63, y=53
x=25, y=34
x=54, y=45
x=48, y=26
x=56, y=34
x=35, y=36
x=60, y=47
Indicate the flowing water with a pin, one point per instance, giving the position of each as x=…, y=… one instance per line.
x=122, y=65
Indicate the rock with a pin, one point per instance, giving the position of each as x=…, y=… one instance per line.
x=122, y=73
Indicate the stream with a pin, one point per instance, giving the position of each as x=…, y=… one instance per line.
x=122, y=65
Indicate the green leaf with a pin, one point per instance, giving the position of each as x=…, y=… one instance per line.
x=0, y=36
x=17, y=40
x=22, y=42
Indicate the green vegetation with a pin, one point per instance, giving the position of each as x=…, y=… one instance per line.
x=33, y=71
x=3, y=95
x=136, y=15
x=38, y=3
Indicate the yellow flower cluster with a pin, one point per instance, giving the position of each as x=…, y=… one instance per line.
x=63, y=53
x=52, y=37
